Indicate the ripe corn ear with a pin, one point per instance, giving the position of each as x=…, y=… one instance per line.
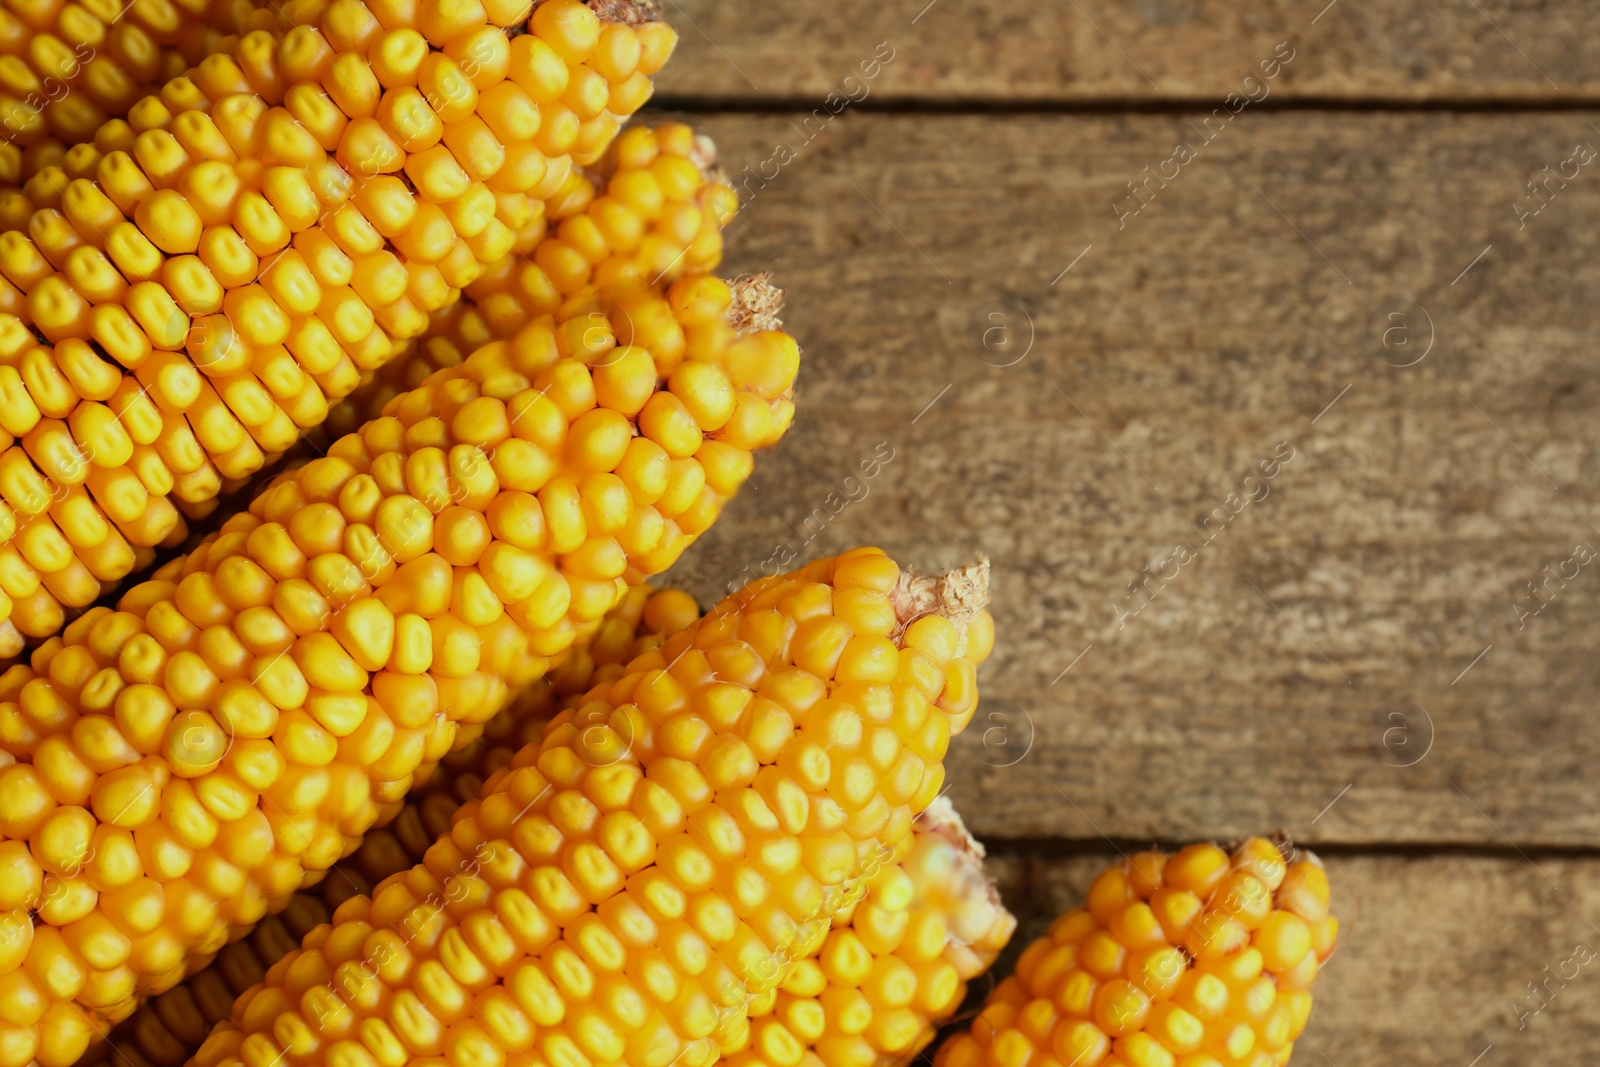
x=168, y=1030
x=1199, y=959
x=653, y=187
x=183, y=762
x=626, y=889
x=926, y=926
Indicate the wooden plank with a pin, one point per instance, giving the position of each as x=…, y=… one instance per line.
x=1323, y=662
x=1437, y=955
x=1092, y=51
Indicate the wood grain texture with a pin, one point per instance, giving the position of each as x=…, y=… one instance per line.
x=1437, y=955
x=1087, y=51
x=1323, y=662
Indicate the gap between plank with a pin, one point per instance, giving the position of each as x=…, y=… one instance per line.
x=689, y=103
x=1097, y=846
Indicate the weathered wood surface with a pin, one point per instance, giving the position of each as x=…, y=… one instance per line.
x=1323, y=662
x=1087, y=51
x=1436, y=961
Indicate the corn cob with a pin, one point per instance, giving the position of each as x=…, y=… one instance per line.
x=236, y=338
x=240, y=720
x=624, y=890
x=611, y=48
x=169, y=1029
x=895, y=965
x=1194, y=960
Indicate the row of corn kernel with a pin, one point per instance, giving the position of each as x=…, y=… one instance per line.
x=612, y=48
x=1199, y=959
x=70, y=67
x=660, y=218
x=627, y=888
x=669, y=177
x=685, y=236
x=131, y=464
x=895, y=966
x=168, y=1030
x=241, y=720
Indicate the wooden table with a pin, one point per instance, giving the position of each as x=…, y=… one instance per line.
x=1268, y=407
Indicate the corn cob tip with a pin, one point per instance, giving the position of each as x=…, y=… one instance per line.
x=958, y=594
x=980, y=925
x=627, y=12
x=704, y=156
x=757, y=304
x=942, y=818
